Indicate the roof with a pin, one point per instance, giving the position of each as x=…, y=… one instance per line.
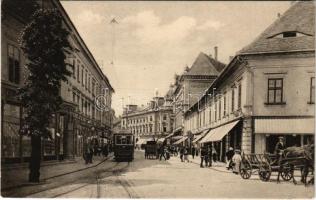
x=204, y=65
x=299, y=18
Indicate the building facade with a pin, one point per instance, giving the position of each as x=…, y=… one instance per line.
x=86, y=110
x=191, y=85
x=153, y=122
x=266, y=91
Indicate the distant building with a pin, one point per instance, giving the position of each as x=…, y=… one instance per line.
x=151, y=122
x=79, y=119
x=191, y=85
x=266, y=91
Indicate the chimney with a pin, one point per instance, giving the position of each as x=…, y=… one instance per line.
x=215, y=52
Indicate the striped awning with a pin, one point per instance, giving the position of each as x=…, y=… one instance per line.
x=218, y=133
x=181, y=140
x=285, y=126
x=170, y=135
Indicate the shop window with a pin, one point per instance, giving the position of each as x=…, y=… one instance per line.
x=312, y=90
x=10, y=140
x=14, y=64
x=275, y=91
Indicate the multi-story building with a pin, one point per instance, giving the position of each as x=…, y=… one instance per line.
x=80, y=117
x=266, y=91
x=191, y=85
x=152, y=122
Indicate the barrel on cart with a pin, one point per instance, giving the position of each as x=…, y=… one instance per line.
x=123, y=144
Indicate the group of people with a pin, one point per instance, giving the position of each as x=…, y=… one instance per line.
x=94, y=150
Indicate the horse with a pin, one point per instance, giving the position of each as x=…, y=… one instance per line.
x=297, y=156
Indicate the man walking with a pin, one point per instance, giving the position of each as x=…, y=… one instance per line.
x=203, y=154
x=193, y=152
x=162, y=152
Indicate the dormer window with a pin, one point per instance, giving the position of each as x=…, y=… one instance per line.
x=288, y=34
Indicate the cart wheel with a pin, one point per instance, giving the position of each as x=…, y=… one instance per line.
x=265, y=172
x=245, y=169
x=286, y=174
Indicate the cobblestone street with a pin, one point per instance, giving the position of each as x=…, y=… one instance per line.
x=160, y=179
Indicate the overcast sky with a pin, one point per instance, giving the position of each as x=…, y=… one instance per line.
x=155, y=40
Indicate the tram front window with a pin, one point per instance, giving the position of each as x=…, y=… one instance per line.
x=123, y=139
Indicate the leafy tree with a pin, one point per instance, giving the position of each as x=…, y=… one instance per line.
x=44, y=41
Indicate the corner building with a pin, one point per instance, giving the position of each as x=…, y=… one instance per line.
x=266, y=91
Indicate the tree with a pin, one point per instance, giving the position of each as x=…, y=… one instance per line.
x=43, y=41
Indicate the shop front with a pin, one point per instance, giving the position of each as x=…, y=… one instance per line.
x=296, y=131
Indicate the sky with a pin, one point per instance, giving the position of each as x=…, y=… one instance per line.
x=154, y=40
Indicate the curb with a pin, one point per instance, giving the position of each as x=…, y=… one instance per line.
x=59, y=175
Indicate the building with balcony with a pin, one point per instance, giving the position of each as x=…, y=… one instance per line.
x=154, y=121
x=266, y=91
x=86, y=109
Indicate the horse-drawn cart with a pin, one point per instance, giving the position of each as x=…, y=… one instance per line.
x=264, y=164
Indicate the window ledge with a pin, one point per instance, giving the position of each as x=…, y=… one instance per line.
x=281, y=103
x=310, y=102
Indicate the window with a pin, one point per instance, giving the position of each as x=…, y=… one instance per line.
x=312, y=97
x=74, y=68
x=239, y=96
x=215, y=103
x=219, y=109
x=233, y=99
x=224, y=105
x=164, y=117
x=14, y=64
x=289, y=34
x=89, y=83
x=275, y=90
x=74, y=97
x=210, y=115
x=78, y=72
x=85, y=79
x=93, y=86
x=82, y=76
x=164, y=129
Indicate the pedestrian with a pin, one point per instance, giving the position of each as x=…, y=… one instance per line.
x=181, y=153
x=86, y=153
x=90, y=154
x=186, y=154
x=203, y=153
x=279, y=148
x=214, y=154
x=229, y=156
x=162, y=152
x=236, y=160
x=209, y=155
x=193, y=152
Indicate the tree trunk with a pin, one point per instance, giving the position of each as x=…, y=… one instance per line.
x=35, y=162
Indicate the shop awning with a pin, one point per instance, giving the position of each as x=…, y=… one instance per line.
x=161, y=139
x=222, y=131
x=217, y=134
x=181, y=140
x=285, y=126
x=208, y=136
x=177, y=137
x=198, y=137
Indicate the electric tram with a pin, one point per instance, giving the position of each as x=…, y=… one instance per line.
x=123, y=145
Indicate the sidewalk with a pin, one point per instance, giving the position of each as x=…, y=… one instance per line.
x=218, y=166
x=18, y=176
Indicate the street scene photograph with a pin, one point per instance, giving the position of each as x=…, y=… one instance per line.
x=157, y=99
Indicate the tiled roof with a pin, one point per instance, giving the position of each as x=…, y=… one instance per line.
x=205, y=65
x=299, y=18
